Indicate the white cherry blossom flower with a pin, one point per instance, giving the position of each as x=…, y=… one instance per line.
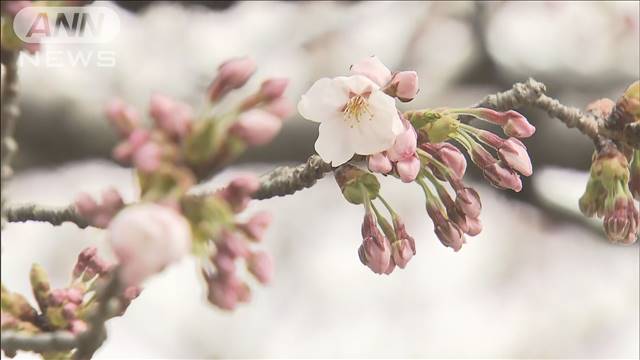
x=355, y=117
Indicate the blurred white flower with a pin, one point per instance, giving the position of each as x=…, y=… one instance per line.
x=146, y=238
x=355, y=117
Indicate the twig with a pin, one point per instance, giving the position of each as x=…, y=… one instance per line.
x=43, y=342
x=532, y=93
x=10, y=112
x=286, y=180
x=52, y=215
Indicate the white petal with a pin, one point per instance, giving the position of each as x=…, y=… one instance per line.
x=357, y=84
x=333, y=144
x=379, y=132
x=372, y=68
x=323, y=100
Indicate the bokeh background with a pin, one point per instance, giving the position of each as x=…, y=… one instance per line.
x=539, y=281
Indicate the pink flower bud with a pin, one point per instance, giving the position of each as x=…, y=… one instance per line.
x=374, y=255
x=468, y=200
x=75, y=296
x=112, y=200
x=272, y=89
x=232, y=74
x=222, y=292
x=450, y=235
x=402, y=252
x=502, y=177
x=233, y=244
x=146, y=238
x=408, y=169
x=238, y=193
x=474, y=226
x=514, y=154
x=518, y=126
x=69, y=311
x=224, y=263
x=57, y=297
x=261, y=266
x=148, y=157
x=280, y=107
x=380, y=163
x=125, y=150
x=172, y=117
x=123, y=117
x=622, y=224
x=404, y=85
x=256, y=127
x=78, y=327
x=372, y=68
x=85, y=205
x=256, y=227
x=404, y=146
x=448, y=155
x=513, y=123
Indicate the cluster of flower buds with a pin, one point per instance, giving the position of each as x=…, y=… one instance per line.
x=610, y=192
x=358, y=116
x=99, y=215
x=625, y=117
x=170, y=157
x=385, y=244
x=66, y=308
x=222, y=241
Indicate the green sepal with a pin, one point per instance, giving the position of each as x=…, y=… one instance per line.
x=351, y=179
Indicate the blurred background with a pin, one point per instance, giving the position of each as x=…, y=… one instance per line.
x=539, y=281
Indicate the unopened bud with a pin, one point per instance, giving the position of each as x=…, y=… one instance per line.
x=272, y=89
x=379, y=163
x=403, y=85
x=256, y=127
x=232, y=74
x=402, y=252
x=408, y=169
x=260, y=265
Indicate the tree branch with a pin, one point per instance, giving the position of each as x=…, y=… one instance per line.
x=52, y=215
x=10, y=112
x=532, y=93
x=43, y=342
x=287, y=180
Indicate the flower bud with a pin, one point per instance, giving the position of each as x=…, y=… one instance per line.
x=622, y=224
x=123, y=117
x=408, y=169
x=372, y=68
x=233, y=244
x=256, y=127
x=402, y=252
x=239, y=191
x=224, y=263
x=280, y=107
x=468, y=200
x=232, y=74
x=125, y=150
x=148, y=157
x=629, y=104
x=513, y=123
x=376, y=254
x=146, y=238
x=446, y=231
x=78, y=327
x=221, y=293
x=502, y=177
x=272, y=89
x=514, y=154
x=260, y=265
x=172, y=117
x=601, y=107
x=379, y=163
x=403, y=85
x=404, y=146
x=448, y=155
x=257, y=225
x=85, y=205
x=474, y=226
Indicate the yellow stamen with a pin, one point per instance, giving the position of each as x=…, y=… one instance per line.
x=355, y=108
